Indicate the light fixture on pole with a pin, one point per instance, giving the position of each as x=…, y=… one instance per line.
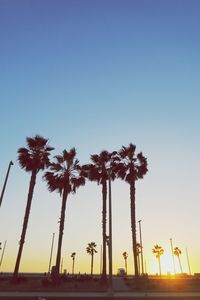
x=5, y=182
x=141, y=246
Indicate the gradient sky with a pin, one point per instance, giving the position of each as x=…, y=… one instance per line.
x=99, y=74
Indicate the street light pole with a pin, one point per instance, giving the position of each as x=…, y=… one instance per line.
x=188, y=261
x=110, y=236
x=5, y=182
x=51, y=253
x=3, y=253
x=172, y=249
x=141, y=246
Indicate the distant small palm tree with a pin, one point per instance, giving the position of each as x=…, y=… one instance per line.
x=33, y=158
x=158, y=251
x=178, y=252
x=91, y=251
x=125, y=256
x=138, y=251
x=73, y=255
x=64, y=177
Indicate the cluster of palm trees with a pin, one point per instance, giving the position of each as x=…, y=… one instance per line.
x=159, y=251
x=65, y=175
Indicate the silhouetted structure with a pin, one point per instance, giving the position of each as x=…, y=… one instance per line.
x=33, y=159
x=131, y=168
x=91, y=251
x=101, y=170
x=73, y=255
x=63, y=177
x=5, y=182
x=178, y=252
x=125, y=256
x=158, y=251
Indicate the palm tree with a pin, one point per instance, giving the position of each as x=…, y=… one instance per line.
x=91, y=251
x=32, y=159
x=125, y=256
x=73, y=261
x=131, y=168
x=63, y=177
x=138, y=248
x=178, y=252
x=158, y=251
x=102, y=169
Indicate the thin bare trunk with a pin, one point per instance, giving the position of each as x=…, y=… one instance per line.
x=159, y=266
x=61, y=229
x=104, y=196
x=92, y=261
x=25, y=224
x=133, y=227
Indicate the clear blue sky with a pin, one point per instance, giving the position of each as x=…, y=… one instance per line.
x=96, y=75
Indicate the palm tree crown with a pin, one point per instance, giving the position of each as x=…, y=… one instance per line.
x=91, y=248
x=36, y=155
x=64, y=173
x=158, y=251
x=33, y=159
x=132, y=167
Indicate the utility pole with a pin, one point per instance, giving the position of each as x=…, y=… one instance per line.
x=110, y=237
x=51, y=253
x=188, y=261
x=172, y=249
x=141, y=246
x=3, y=253
x=5, y=182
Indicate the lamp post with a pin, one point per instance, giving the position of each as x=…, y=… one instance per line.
x=188, y=261
x=172, y=249
x=3, y=253
x=141, y=246
x=110, y=237
x=51, y=253
x=5, y=182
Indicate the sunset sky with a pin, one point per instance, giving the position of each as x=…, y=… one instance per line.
x=99, y=74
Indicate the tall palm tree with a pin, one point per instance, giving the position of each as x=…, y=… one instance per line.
x=158, y=251
x=32, y=159
x=131, y=168
x=125, y=256
x=73, y=255
x=63, y=177
x=178, y=252
x=102, y=169
x=91, y=251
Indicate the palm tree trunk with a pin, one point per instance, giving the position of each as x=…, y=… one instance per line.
x=61, y=229
x=104, y=196
x=126, y=266
x=73, y=266
x=92, y=261
x=25, y=224
x=138, y=264
x=159, y=266
x=133, y=227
